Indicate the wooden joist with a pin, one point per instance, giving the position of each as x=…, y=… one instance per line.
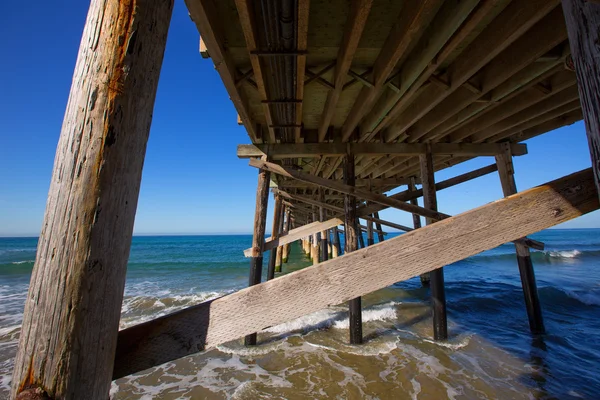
x=356, y=274
x=302, y=44
x=414, y=17
x=346, y=189
x=247, y=22
x=204, y=15
x=359, y=12
x=313, y=150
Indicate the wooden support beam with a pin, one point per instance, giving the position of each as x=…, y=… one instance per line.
x=274, y=235
x=204, y=15
x=359, y=12
x=425, y=278
x=583, y=26
x=71, y=318
x=351, y=239
x=248, y=24
x=313, y=150
x=279, y=252
x=413, y=19
x=378, y=224
x=485, y=53
x=346, y=189
x=286, y=230
x=302, y=45
x=438, y=292
x=337, y=249
x=211, y=323
x=258, y=237
x=373, y=183
x=324, y=242
x=203, y=50
x=532, y=302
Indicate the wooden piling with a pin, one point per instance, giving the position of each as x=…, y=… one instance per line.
x=258, y=238
x=412, y=187
x=279, y=254
x=336, y=242
x=583, y=26
x=71, y=319
x=438, y=294
x=380, y=235
x=350, y=234
x=324, y=243
x=287, y=227
x=370, y=238
x=315, y=241
x=532, y=302
x=275, y=234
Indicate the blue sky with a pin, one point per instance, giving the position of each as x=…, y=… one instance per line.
x=192, y=181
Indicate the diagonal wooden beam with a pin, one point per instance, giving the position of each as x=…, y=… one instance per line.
x=489, y=58
x=253, y=309
x=302, y=43
x=347, y=189
x=413, y=18
x=359, y=12
x=205, y=16
x=248, y=23
x=313, y=150
x=447, y=21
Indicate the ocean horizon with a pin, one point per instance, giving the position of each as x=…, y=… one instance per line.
x=490, y=352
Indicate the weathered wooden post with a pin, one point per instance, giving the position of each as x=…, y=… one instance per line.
x=279, y=254
x=315, y=241
x=532, y=303
x=286, y=229
x=71, y=320
x=336, y=243
x=275, y=235
x=258, y=237
x=425, y=278
x=380, y=235
x=350, y=234
x=361, y=239
x=583, y=26
x=370, y=238
x=323, y=244
x=438, y=294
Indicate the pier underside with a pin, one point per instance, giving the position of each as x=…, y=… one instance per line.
x=343, y=102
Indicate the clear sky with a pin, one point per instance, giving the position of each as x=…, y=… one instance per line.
x=192, y=181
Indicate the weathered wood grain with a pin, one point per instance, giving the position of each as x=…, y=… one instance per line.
x=340, y=279
x=313, y=150
x=346, y=189
x=274, y=235
x=583, y=26
x=72, y=310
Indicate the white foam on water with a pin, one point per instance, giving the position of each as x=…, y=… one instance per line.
x=563, y=253
x=454, y=345
x=334, y=317
x=416, y=389
x=382, y=312
x=23, y=262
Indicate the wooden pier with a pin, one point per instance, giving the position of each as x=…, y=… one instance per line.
x=343, y=102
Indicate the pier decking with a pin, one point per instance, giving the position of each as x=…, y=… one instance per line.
x=343, y=101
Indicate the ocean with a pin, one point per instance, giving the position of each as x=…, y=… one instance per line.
x=490, y=353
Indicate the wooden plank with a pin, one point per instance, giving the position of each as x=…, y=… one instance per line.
x=359, y=12
x=205, y=16
x=302, y=46
x=413, y=18
x=281, y=151
x=211, y=323
x=67, y=345
x=342, y=188
x=248, y=24
x=583, y=26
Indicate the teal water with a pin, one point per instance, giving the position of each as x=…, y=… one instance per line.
x=490, y=353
